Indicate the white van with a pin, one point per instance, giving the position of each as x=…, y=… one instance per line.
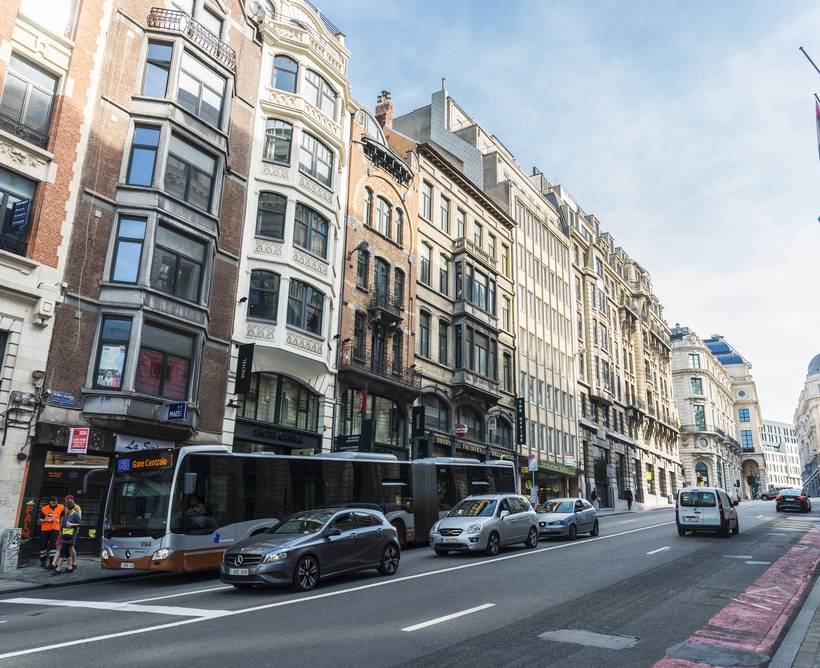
x=705, y=509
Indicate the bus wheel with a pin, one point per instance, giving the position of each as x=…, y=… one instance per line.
x=306, y=575
x=401, y=534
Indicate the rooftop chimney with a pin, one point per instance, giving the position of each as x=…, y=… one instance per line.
x=384, y=109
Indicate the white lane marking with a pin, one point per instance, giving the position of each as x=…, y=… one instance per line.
x=754, y=605
x=757, y=562
x=447, y=618
x=737, y=556
x=589, y=639
x=777, y=534
x=660, y=549
x=626, y=521
x=305, y=599
x=184, y=593
x=119, y=607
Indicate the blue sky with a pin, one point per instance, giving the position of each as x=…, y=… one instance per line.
x=686, y=127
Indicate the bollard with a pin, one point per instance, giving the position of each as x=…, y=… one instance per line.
x=10, y=550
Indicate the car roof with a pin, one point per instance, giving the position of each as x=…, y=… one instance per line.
x=491, y=497
x=701, y=489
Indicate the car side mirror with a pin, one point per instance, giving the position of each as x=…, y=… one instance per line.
x=503, y=514
x=332, y=532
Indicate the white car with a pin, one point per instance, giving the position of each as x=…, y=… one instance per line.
x=705, y=509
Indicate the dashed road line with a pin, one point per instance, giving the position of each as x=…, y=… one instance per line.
x=660, y=549
x=447, y=618
x=120, y=607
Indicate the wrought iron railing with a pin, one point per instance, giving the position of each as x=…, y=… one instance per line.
x=13, y=245
x=23, y=131
x=383, y=299
x=177, y=21
x=359, y=357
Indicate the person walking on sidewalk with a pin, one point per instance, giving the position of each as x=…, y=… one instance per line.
x=68, y=535
x=50, y=521
x=629, y=498
x=593, y=497
x=73, y=507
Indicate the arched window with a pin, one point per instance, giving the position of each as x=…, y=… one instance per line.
x=503, y=433
x=475, y=425
x=368, y=206
x=278, y=137
x=284, y=74
x=436, y=413
x=320, y=93
x=263, y=297
x=398, y=286
x=701, y=474
x=362, y=269
x=280, y=400
x=383, y=216
x=270, y=215
x=399, y=227
x=381, y=280
x=310, y=230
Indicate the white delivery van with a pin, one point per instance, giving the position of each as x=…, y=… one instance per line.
x=705, y=509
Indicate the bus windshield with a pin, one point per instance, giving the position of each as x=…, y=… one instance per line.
x=138, y=503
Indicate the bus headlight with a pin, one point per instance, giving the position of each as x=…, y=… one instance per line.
x=160, y=554
x=271, y=557
x=105, y=554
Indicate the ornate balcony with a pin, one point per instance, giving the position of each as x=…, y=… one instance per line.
x=23, y=131
x=361, y=368
x=384, y=306
x=176, y=21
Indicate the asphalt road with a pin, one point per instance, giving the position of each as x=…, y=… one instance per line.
x=638, y=580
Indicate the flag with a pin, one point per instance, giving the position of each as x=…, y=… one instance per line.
x=363, y=401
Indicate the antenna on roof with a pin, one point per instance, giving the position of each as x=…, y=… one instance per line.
x=443, y=83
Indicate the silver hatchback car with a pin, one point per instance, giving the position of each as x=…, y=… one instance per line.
x=485, y=523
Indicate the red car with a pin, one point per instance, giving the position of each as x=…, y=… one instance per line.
x=792, y=499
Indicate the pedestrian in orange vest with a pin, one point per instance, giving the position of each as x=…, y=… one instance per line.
x=50, y=521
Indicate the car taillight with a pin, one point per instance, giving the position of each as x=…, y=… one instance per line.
x=778, y=498
x=802, y=498
x=720, y=505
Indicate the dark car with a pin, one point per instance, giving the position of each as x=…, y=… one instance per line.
x=792, y=499
x=311, y=545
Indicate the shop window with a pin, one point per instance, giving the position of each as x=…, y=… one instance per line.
x=280, y=400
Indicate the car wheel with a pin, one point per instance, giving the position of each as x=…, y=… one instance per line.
x=573, y=532
x=532, y=538
x=390, y=560
x=306, y=575
x=401, y=534
x=736, y=528
x=724, y=529
x=493, y=544
x=681, y=531
x=440, y=552
x=594, y=531
x=764, y=498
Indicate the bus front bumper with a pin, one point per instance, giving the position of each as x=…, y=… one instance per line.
x=174, y=563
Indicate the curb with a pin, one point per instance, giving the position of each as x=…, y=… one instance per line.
x=58, y=584
x=791, y=644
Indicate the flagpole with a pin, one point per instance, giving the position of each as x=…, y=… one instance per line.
x=808, y=57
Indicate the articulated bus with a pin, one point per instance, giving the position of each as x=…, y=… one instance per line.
x=179, y=510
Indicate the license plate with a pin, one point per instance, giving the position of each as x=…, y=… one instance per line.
x=126, y=564
x=238, y=571
x=690, y=518
x=450, y=540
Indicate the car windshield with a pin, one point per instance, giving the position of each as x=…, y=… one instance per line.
x=303, y=523
x=697, y=499
x=474, y=508
x=557, y=506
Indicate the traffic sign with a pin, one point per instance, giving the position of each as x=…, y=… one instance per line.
x=460, y=430
x=533, y=463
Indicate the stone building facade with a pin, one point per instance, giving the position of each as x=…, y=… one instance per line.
x=709, y=451
x=378, y=382
x=782, y=455
x=142, y=340
x=807, y=427
x=464, y=346
x=50, y=65
x=626, y=409
x=292, y=252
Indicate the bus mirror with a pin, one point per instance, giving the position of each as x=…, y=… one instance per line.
x=189, y=483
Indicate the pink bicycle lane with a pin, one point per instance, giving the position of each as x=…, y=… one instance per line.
x=745, y=632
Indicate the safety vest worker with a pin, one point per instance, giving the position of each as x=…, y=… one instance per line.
x=50, y=517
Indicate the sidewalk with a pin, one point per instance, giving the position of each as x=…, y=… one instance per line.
x=34, y=577
x=611, y=512
x=801, y=646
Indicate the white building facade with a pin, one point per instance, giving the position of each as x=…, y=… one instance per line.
x=782, y=454
x=807, y=427
x=290, y=276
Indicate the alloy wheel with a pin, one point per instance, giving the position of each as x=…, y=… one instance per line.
x=493, y=544
x=307, y=573
x=390, y=560
x=532, y=538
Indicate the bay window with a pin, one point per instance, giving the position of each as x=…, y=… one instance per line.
x=164, y=364
x=310, y=231
x=320, y=93
x=178, y=264
x=189, y=174
x=305, y=307
x=125, y=267
x=263, y=297
x=284, y=74
x=270, y=215
x=316, y=159
x=112, y=352
x=278, y=138
x=201, y=90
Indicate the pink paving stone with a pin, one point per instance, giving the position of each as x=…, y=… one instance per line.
x=756, y=619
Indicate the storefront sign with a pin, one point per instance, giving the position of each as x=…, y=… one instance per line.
x=569, y=459
x=460, y=430
x=244, y=367
x=78, y=441
x=63, y=399
x=520, y=421
x=264, y=434
x=418, y=416
x=19, y=215
x=137, y=443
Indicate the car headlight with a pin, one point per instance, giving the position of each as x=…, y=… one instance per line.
x=160, y=554
x=105, y=554
x=435, y=528
x=272, y=557
x=476, y=528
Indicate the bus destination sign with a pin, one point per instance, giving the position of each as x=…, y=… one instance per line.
x=148, y=462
